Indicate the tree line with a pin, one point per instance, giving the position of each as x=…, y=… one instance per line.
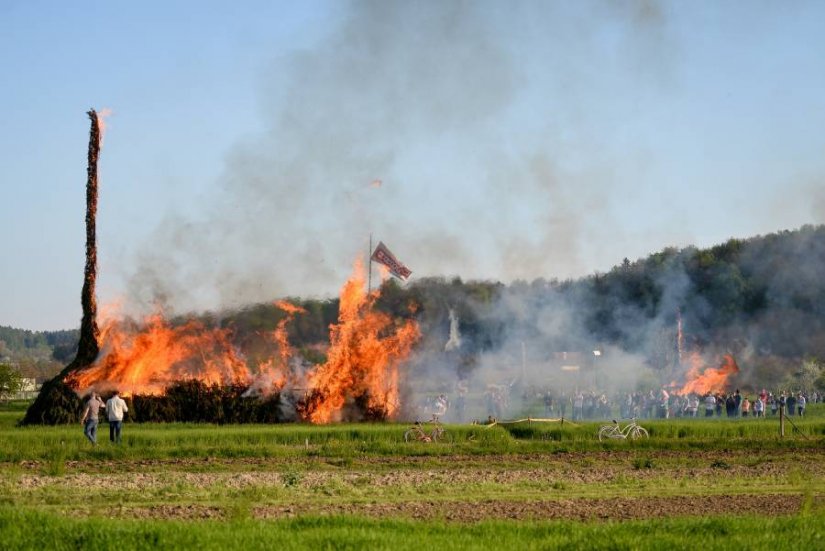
x=763, y=297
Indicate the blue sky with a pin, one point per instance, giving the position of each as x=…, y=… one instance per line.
x=514, y=141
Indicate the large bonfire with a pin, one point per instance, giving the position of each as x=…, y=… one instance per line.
x=360, y=378
x=152, y=357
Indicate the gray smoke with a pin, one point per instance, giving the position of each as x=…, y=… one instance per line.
x=500, y=96
x=405, y=92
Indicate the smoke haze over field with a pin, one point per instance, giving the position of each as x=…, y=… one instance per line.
x=488, y=126
x=512, y=141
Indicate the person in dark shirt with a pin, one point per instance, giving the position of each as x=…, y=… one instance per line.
x=791, y=403
x=737, y=400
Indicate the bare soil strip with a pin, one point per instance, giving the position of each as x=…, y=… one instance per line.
x=567, y=474
x=808, y=456
x=570, y=509
x=612, y=509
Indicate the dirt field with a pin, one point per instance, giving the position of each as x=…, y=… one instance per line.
x=608, y=485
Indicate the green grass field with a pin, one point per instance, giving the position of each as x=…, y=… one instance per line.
x=694, y=483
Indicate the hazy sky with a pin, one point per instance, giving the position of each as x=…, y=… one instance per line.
x=513, y=140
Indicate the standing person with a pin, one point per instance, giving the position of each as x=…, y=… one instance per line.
x=115, y=408
x=746, y=406
x=578, y=406
x=710, y=404
x=692, y=405
x=442, y=404
x=730, y=405
x=790, y=401
x=758, y=407
x=801, y=402
x=89, y=419
x=548, y=403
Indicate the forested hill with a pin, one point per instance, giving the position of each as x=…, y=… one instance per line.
x=38, y=354
x=765, y=293
x=761, y=298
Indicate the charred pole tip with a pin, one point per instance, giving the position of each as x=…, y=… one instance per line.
x=88, y=346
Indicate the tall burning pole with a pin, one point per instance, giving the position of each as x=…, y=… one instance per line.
x=88, y=347
x=57, y=403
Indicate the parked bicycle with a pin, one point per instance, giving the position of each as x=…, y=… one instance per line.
x=418, y=433
x=615, y=431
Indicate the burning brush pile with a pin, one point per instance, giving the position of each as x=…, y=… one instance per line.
x=192, y=372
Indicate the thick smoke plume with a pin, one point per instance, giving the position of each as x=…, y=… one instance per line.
x=394, y=84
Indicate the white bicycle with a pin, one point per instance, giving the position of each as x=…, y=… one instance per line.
x=615, y=431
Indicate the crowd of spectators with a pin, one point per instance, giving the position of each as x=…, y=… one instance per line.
x=663, y=404
x=497, y=403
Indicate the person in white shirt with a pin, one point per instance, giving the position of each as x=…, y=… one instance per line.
x=801, y=402
x=115, y=408
x=692, y=405
x=710, y=404
x=758, y=407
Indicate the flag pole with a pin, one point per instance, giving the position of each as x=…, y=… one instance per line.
x=369, y=264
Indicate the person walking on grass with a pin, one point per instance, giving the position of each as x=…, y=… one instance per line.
x=115, y=408
x=801, y=402
x=89, y=419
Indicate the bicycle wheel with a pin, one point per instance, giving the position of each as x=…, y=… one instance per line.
x=441, y=435
x=639, y=432
x=607, y=431
x=410, y=436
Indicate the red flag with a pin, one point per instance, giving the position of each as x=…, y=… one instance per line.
x=382, y=255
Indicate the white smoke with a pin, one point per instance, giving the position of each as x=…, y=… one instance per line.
x=454, y=342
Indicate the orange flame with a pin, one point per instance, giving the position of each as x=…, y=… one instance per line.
x=101, y=122
x=366, y=348
x=702, y=379
x=146, y=359
x=281, y=339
